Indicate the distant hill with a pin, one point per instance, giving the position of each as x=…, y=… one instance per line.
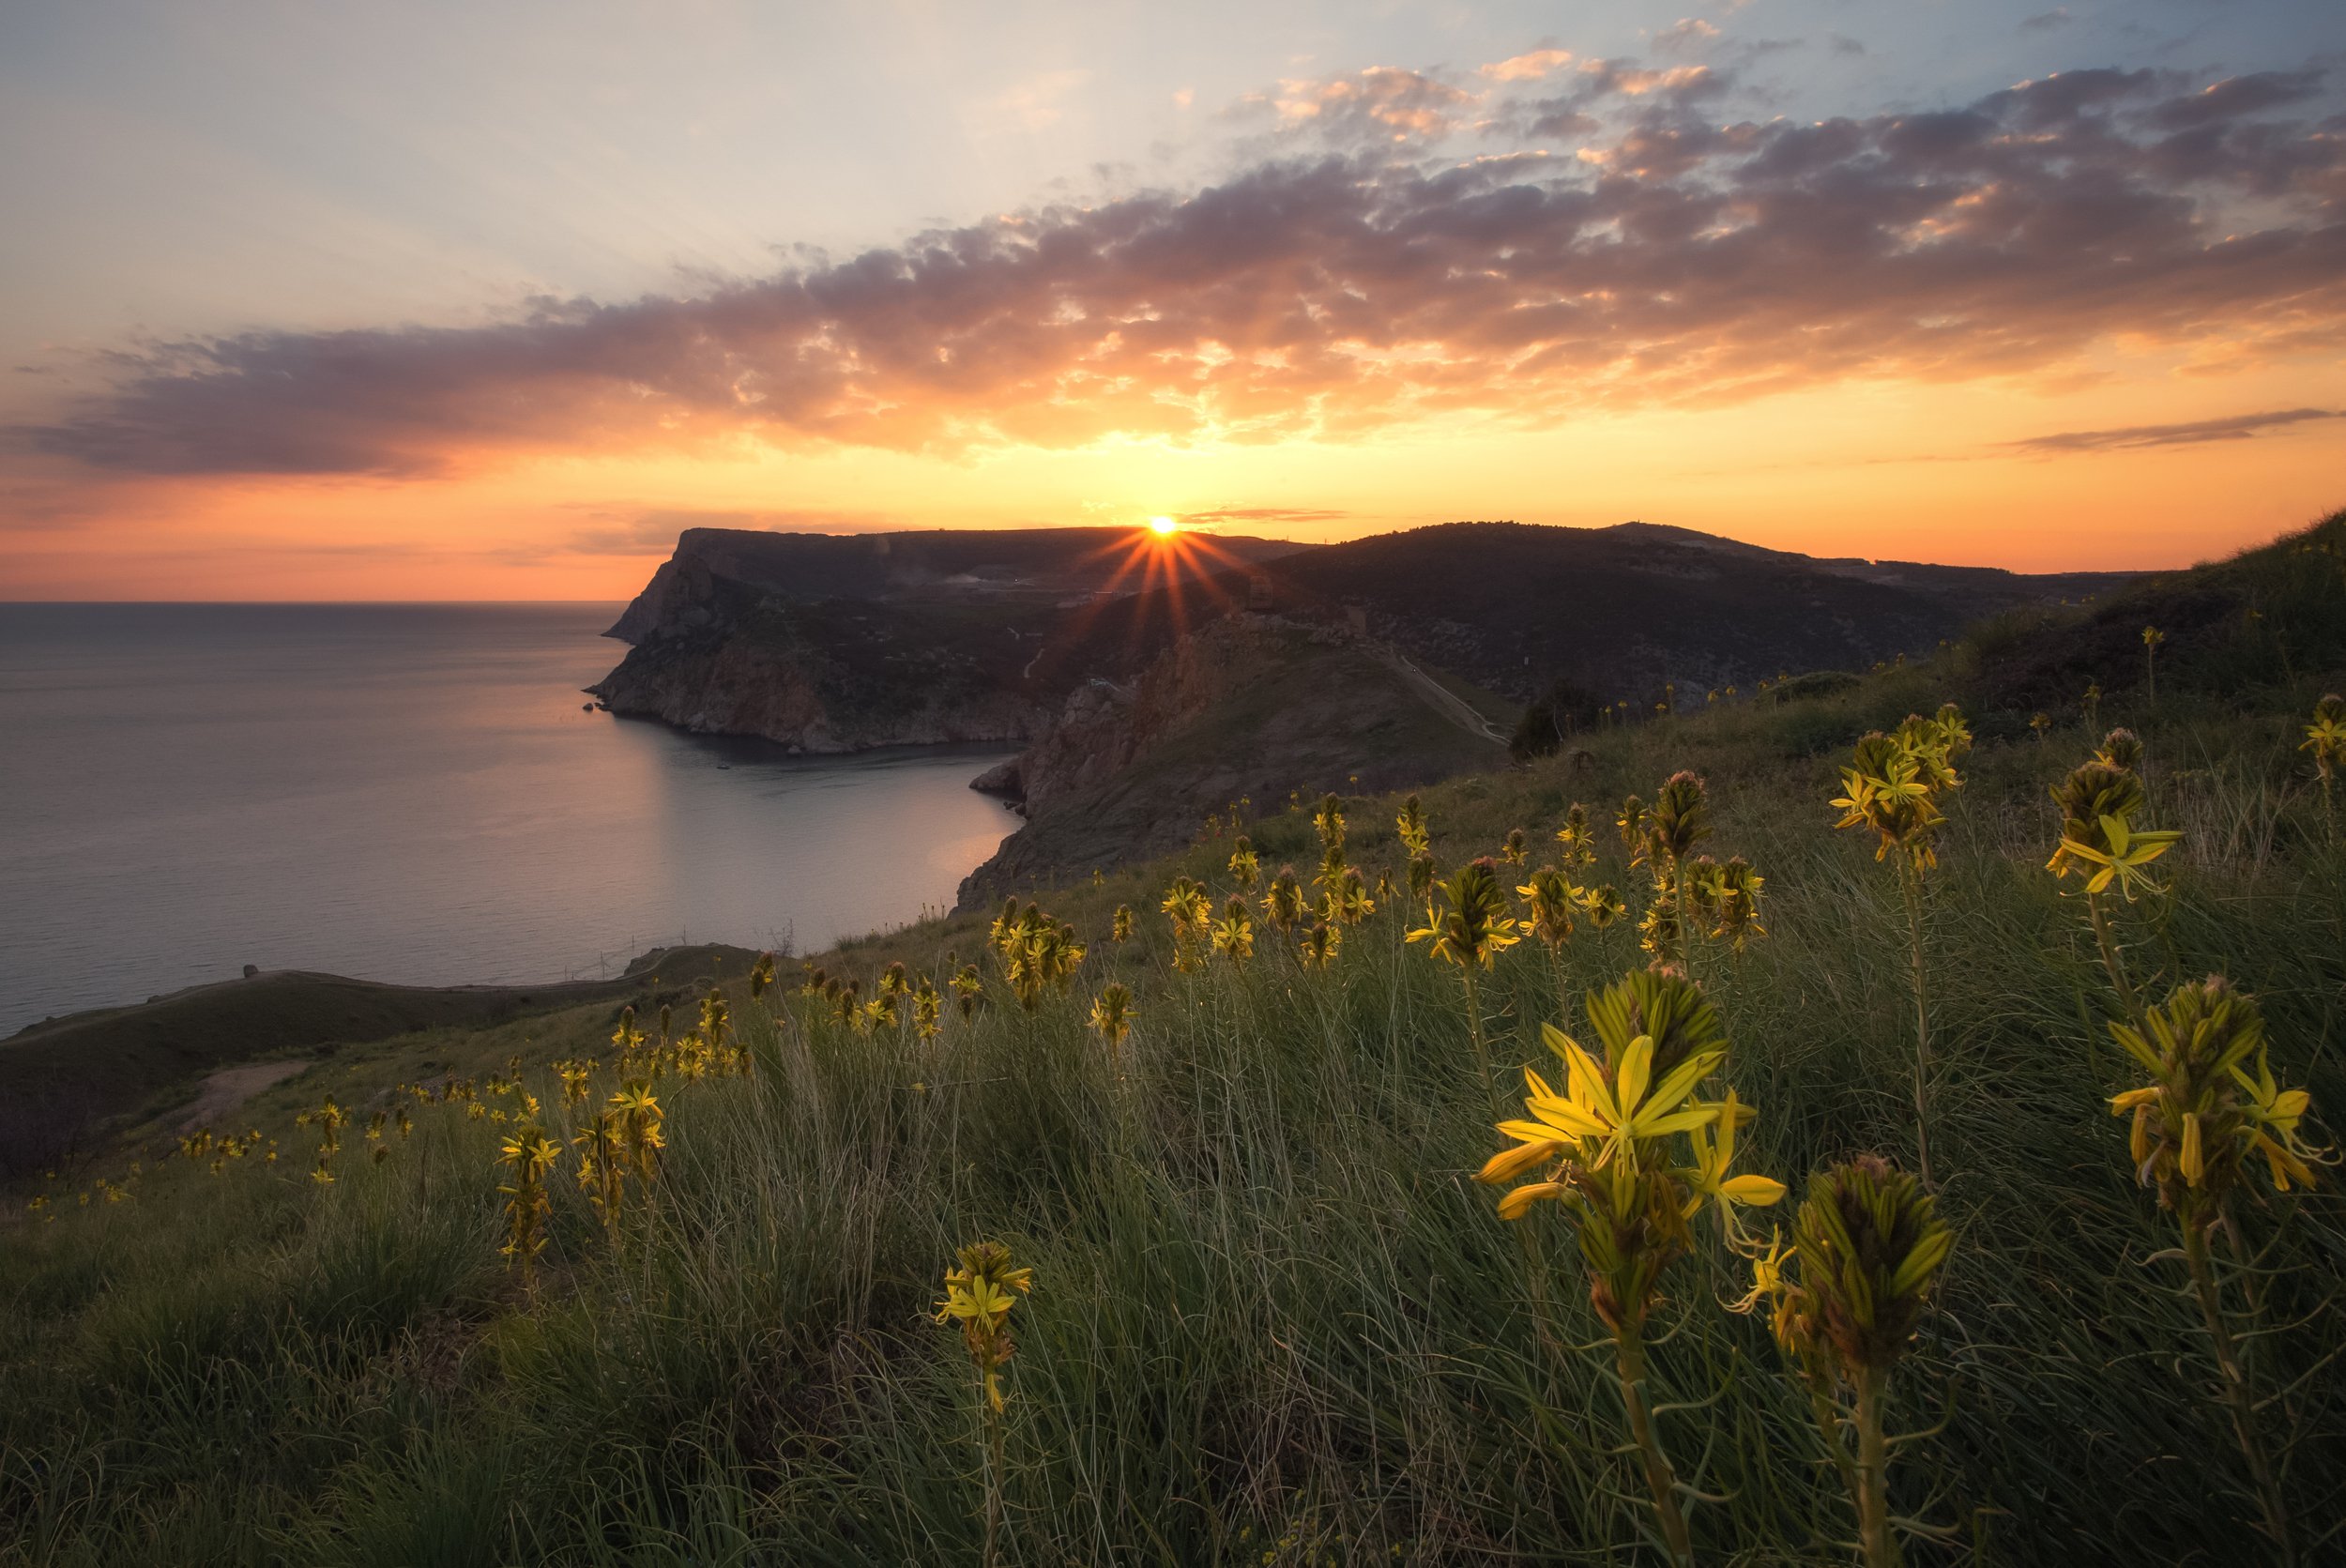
x=836, y=643
x=1622, y=610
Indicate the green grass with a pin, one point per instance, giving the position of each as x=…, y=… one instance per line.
x=1274, y=1321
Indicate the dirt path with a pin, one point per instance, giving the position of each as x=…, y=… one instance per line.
x=231, y=1087
x=1442, y=700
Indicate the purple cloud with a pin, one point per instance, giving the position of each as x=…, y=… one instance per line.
x=2239, y=427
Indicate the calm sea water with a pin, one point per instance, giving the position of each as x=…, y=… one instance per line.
x=412, y=793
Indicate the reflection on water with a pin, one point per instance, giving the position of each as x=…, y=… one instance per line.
x=412, y=793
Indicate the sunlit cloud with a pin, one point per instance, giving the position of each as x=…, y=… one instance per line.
x=1674, y=257
x=1686, y=35
x=1381, y=104
x=1529, y=68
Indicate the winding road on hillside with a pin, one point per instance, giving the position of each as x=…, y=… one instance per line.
x=1437, y=696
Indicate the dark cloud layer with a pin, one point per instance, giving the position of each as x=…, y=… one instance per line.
x=1644, y=248
x=2239, y=427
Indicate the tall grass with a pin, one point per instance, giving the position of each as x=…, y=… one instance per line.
x=1273, y=1320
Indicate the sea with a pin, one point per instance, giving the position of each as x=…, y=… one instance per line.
x=415, y=793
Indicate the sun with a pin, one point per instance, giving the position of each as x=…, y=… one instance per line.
x=1162, y=526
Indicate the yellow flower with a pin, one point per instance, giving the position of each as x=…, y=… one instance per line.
x=1349, y=903
x=1550, y=896
x=1611, y=1115
x=1869, y=1243
x=1283, y=901
x=2325, y=737
x=1186, y=907
x=640, y=1121
x=2122, y=856
x=1890, y=788
x=1714, y=1152
x=1632, y=825
x=2213, y=1101
x=969, y=989
x=1328, y=820
x=1476, y=928
x=1112, y=1013
x=1679, y=817
x=1245, y=867
x=1578, y=841
x=1234, y=933
x=1409, y=825
x=978, y=1294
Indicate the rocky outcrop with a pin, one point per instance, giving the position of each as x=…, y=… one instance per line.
x=841, y=643
x=1245, y=708
x=1105, y=727
x=735, y=686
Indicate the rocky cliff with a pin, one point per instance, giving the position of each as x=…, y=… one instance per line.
x=839, y=642
x=1248, y=707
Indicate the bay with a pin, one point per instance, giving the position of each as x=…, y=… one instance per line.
x=414, y=793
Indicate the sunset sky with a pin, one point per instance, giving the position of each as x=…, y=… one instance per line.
x=486, y=302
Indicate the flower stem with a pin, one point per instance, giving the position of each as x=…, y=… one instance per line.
x=2106, y=940
x=1873, y=1470
x=1910, y=882
x=1629, y=1348
x=1482, y=1051
x=1686, y=922
x=2238, y=1399
x=992, y=1422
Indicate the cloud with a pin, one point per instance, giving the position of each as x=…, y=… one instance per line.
x=1676, y=257
x=1381, y=104
x=1220, y=516
x=1529, y=68
x=2236, y=98
x=2240, y=427
x=1686, y=35
x=2047, y=21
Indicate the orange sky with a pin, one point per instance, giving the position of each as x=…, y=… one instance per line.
x=1865, y=471
x=2086, y=317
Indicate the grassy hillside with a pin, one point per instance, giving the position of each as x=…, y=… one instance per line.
x=1273, y=1321
x=70, y=1079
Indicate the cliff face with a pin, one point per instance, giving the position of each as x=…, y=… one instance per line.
x=716, y=684
x=1104, y=727
x=836, y=644
x=1248, y=708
